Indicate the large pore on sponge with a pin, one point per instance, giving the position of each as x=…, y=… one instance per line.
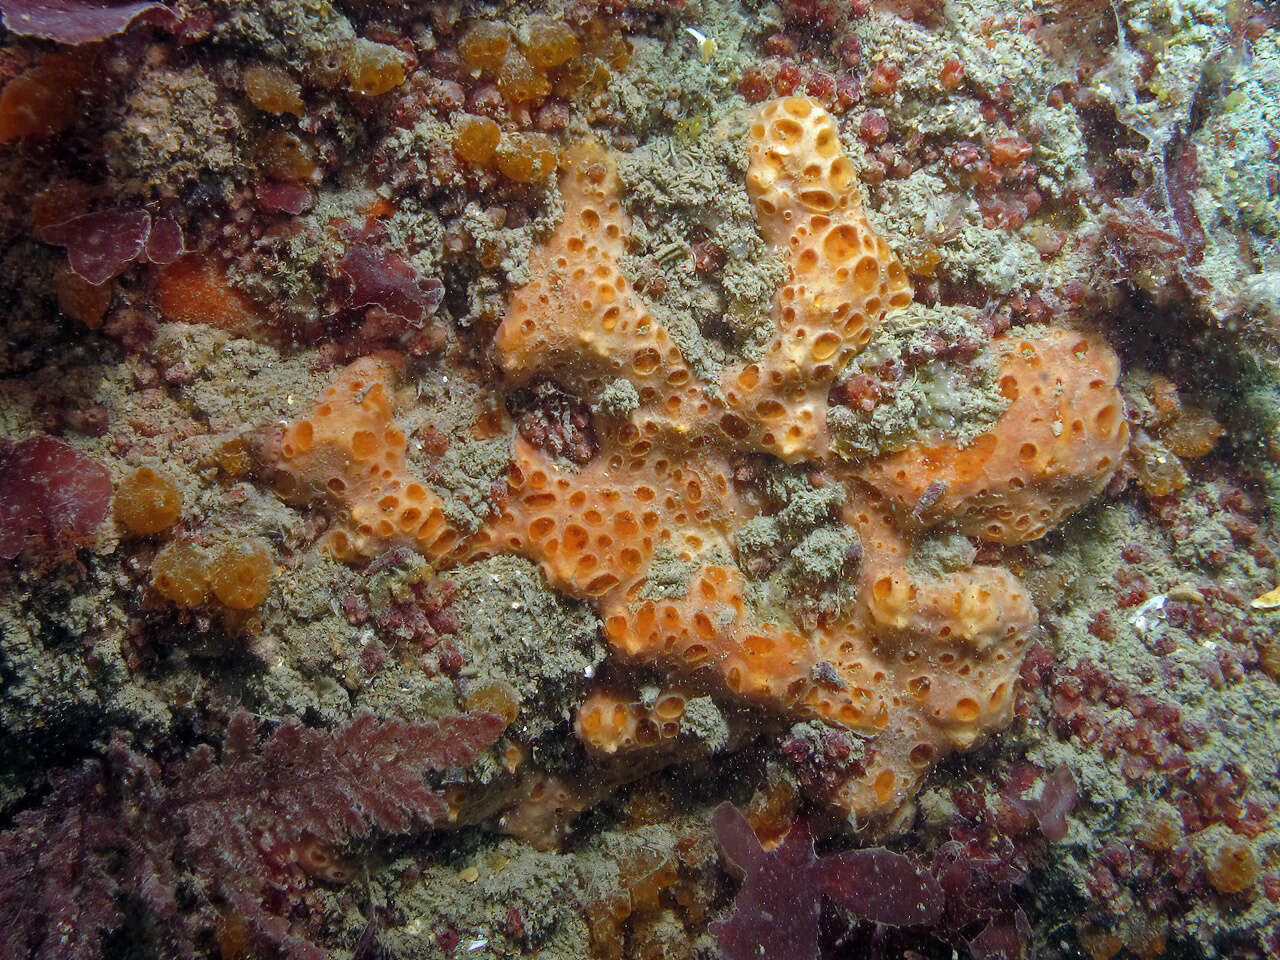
x=1054, y=449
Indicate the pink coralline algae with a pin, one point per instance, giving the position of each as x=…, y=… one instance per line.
x=49, y=490
x=79, y=21
x=101, y=244
x=384, y=279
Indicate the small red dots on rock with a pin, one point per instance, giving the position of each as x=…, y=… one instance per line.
x=786, y=80
x=754, y=86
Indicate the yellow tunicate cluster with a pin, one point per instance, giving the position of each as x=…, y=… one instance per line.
x=1053, y=450
x=237, y=572
x=919, y=664
x=348, y=454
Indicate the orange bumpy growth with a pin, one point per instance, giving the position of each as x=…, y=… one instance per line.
x=920, y=664
x=347, y=454
x=1054, y=449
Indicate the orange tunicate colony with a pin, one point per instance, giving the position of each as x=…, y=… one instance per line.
x=1168, y=433
x=921, y=664
x=147, y=502
x=180, y=573
x=544, y=59
x=237, y=572
x=372, y=69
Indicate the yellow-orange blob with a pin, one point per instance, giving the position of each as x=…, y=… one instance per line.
x=180, y=573
x=1232, y=866
x=526, y=157
x=271, y=89
x=147, y=502
x=240, y=573
x=551, y=43
x=476, y=139
x=484, y=46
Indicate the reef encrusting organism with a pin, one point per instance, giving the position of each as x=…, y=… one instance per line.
x=722, y=395
x=921, y=664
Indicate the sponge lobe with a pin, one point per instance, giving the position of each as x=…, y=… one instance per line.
x=1053, y=450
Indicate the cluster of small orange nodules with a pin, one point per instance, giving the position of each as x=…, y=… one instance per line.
x=238, y=573
x=1173, y=433
x=147, y=502
x=641, y=881
x=527, y=65
x=658, y=900
x=362, y=67
x=543, y=58
x=42, y=101
x=520, y=157
x=1141, y=934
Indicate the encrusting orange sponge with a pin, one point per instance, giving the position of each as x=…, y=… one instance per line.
x=920, y=664
x=347, y=454
x=1053, y=450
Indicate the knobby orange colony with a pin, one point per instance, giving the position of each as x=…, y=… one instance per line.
x=921, y=664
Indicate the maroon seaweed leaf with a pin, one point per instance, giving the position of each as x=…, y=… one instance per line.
x=166, y=244
x=80, y=21
x=777, y=910
x=51, y=491
x=775, y=915
x=385, y=279
x=1007, y=938
x=100, y=245
x=882, y=886
x=283, y=197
